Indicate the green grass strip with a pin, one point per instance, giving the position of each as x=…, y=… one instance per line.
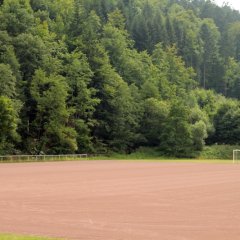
x=130, y=159
x=14, y=237
x=211, y=161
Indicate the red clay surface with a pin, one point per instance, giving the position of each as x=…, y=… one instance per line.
x=114, y=200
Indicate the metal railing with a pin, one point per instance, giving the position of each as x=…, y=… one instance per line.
x=31, y=158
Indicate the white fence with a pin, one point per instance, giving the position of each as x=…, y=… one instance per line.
x=16, y=158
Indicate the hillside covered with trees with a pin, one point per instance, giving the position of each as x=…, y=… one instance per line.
x=100, y=75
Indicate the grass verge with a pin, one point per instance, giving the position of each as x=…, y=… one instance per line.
x=14, y=237
x=210, y=154
x=166, y=160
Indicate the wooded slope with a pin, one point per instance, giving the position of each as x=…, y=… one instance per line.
x=98, y=75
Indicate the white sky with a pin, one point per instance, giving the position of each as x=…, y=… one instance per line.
x=233, y=3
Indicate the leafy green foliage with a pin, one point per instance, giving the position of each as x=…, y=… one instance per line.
x=176, y=136
x=104, y=75
x=227, y=124
x=155, y=116
x=8, y=125
x=16, y=16
x=51, y=127
x=218, y=151
x=7, y=81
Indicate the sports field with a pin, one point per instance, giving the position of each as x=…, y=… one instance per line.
x=121, y=200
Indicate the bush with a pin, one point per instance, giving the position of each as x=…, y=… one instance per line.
x=218, y=152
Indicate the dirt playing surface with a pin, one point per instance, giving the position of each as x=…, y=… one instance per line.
x=120, y=200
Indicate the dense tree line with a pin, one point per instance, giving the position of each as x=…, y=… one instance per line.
x=100, y=75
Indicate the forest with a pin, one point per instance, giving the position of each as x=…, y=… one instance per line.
x=92, y=76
